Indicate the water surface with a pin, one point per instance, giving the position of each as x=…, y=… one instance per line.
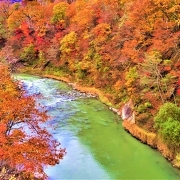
x=97, y=146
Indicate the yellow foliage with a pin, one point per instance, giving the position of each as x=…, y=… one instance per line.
x=117, y=85
x=68, y=43
x=101, y=33
x=59, y=11
x=4, y=175
x=15, y=20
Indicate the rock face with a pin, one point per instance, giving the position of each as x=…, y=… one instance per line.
x=127, y=112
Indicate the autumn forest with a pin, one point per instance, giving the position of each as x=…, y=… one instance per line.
x=128, y=49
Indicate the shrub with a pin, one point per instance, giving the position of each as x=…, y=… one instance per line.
x=142, y=108
x=28, y=55
x=167, y=122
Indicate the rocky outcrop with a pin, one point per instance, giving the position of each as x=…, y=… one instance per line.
x=127, y=112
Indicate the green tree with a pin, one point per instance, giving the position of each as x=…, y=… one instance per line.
x=69, y=49
x=167, y=122
x=131, y=77
x=28, y=55
x=67, y=44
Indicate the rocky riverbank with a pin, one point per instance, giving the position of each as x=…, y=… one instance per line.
x=90, y=90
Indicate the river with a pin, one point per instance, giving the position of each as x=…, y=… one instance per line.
x=96, y=144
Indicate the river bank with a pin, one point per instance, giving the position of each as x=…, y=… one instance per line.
x=76, y=86
x=97, y=145
x=142, y=135
x=145, y=137
x=153, y=140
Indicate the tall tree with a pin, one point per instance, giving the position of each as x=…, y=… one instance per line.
x=25, y=144
x=156, y=78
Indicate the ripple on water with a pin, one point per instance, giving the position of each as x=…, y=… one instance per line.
x=93, y=150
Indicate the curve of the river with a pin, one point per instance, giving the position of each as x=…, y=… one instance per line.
x=97, y=146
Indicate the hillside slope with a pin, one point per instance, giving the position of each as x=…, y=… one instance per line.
x=130, y=50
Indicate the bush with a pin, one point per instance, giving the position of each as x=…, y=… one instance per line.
x=28, y=55
x=142, y=108
x=167, y=122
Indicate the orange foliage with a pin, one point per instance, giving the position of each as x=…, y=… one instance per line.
x=98, y=41
x=25, y=145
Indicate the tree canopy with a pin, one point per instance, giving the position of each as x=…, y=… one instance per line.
x=127, y=48
x=25, y=145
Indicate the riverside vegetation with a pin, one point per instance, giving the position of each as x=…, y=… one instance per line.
x=127, y=49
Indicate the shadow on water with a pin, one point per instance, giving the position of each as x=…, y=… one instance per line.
x=97, y=146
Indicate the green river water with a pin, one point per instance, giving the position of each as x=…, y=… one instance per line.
x=96, y=144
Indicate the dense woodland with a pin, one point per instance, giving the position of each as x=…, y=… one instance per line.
x=129, y=49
